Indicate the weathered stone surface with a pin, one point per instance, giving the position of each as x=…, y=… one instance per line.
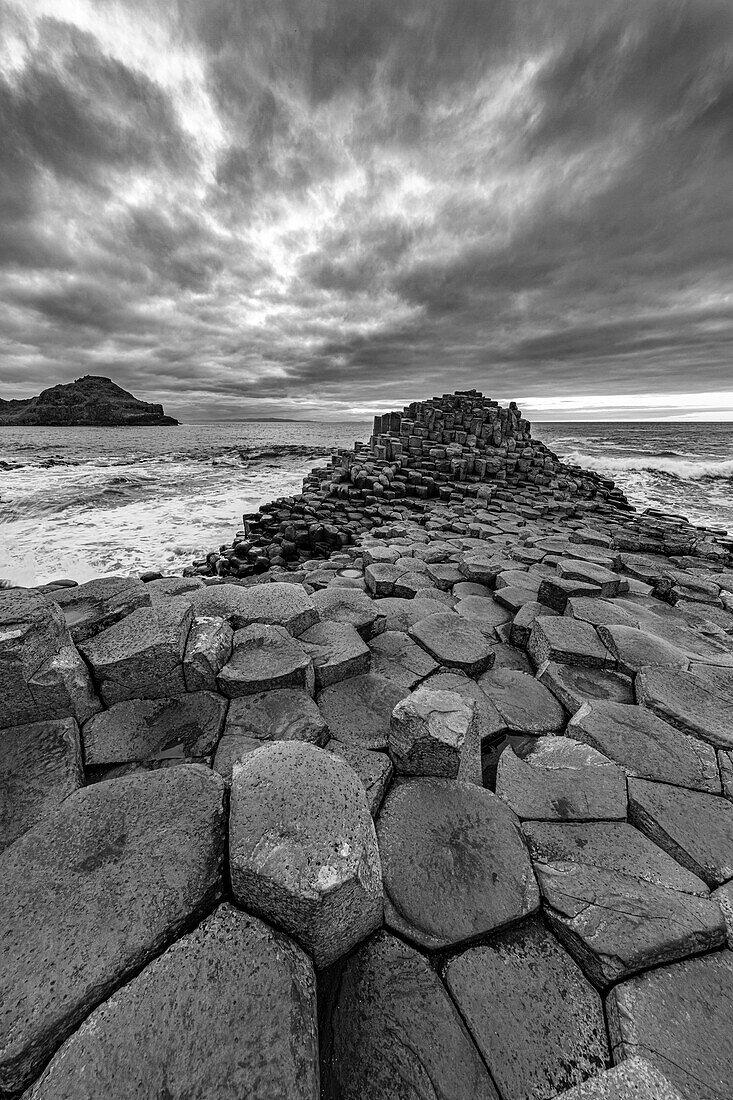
x=645, y=746
x=513, y=599
x=602, y=612
x=264, y=658
x=208, y=648
x=470, y=588
x=302, y=847
x=93, y=892
x=681, y=1019
x=342, y=605
x=525, y=704
x=396, y=1032
x=524, y=620
x=401, y=614
x=358, y=711
x=691, y=701
x=483, y=568
x=568, y=641
x=510, y=656
x=337, y=651
x=373, y=768
x=40, y=765
x=428, y=732
x=453, y=642
x=91, y=607
x=182, y=728
x=575, y=686
x=589, y=572
x=227, y=1011
x=633, y=1079
x=396, y=657
x=633, y=649
x=484, y=614
x=561, y=780
x=42, y=676
x=454, y=862
x=165, y=588
x=694, y=827
x=285, y=714
x=407, y=585
x=380, y=578
x=279, y=604
x=555, y=592
x=505, y=988
x=488, y=726
x=616, y=902
x=141, y=656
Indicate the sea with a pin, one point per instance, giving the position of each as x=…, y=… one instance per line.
x=86, y=502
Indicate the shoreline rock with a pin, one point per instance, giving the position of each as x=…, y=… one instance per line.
x=461, y=711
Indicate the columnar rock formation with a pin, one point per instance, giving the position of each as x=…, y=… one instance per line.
x=445, y=811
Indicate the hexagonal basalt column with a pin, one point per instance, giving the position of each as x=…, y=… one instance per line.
x=302, y=847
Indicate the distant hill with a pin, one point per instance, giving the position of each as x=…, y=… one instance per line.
x=88, y=401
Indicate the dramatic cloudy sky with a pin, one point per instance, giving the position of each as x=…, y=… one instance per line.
x=323, y=207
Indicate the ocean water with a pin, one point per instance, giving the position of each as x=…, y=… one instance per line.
x=685, y=468
x=84, y=502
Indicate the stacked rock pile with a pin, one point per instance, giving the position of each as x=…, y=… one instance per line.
x=456, y=446
x=447, y=814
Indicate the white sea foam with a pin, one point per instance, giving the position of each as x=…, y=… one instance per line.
x=687, y=469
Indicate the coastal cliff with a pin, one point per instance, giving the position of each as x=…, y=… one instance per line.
x=87, y=402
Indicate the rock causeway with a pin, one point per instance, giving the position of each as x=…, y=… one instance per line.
x=421, y=789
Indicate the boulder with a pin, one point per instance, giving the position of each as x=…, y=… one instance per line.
x=92, y=607
x=141, y=656
x=454, y=862
x=185, y=727
x=227, y=1011
x=92, y=893
x=396, y=657
x=695, y=828
x=504, y=988
x=40, y=765
x=616, y=901
x=264, y=658
x=358, y=711
x=395, y=1032
x=428, y=732
x=276, y=604
x=561, y=780
x=645, y=746
x=337, y=652
x=680, y=1018
x=302, y=848
x=568, y=641
x=525, y=705
x=453, y=642
x=343, y=605
x=373, y=768
x=208, y=648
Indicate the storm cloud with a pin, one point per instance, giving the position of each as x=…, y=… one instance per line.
x=324, y=207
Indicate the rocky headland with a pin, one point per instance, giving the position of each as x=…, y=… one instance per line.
x=87, y=402
x=421, y=788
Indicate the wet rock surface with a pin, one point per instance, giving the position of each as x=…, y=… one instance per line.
x=588, y=652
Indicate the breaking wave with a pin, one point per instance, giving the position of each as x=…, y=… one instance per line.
x=682, y=468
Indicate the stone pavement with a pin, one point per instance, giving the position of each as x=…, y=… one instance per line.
x=445, y=812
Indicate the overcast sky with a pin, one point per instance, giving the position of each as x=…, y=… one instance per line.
x=329, y=207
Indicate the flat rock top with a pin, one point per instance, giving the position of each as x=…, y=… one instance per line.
x=453, y=860
x=504, y=988
x=94, y=890
x=396, y=1031
x=453, y=642
x=233, y=984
